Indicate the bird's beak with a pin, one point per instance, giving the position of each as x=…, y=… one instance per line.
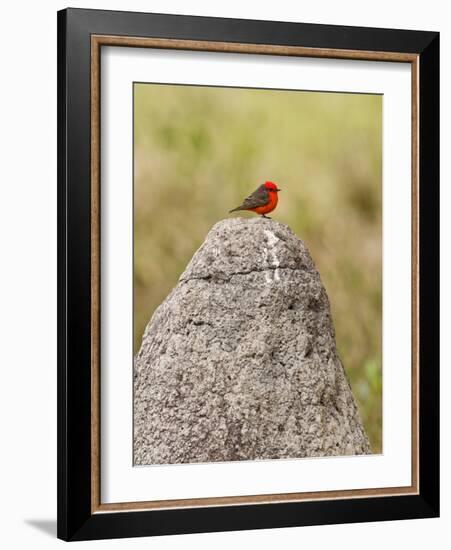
x=278, y=189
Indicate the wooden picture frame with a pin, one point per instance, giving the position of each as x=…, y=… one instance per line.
x=81, y=35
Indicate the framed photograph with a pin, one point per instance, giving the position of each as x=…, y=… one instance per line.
x=248, y=274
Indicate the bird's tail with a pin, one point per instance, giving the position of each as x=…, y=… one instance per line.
x=235, y=209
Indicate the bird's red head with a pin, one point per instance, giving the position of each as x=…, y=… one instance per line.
x=271, y=186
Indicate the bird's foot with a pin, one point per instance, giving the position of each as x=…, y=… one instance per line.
x=267, y=217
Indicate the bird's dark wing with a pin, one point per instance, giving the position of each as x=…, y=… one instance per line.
x=259, y=197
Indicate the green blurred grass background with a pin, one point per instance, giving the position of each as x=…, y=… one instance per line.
x=198, y=151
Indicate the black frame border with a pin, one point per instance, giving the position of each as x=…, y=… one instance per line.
x=75, y=520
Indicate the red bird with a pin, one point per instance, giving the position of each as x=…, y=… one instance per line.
x=262, y=201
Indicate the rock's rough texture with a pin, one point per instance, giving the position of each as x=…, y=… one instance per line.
x=239, y=362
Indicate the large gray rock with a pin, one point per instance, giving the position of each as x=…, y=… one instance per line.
x=239, y=362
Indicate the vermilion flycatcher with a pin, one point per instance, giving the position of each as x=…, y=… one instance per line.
x=262, y=201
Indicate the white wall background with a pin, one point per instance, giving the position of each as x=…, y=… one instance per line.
x=28, y=272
